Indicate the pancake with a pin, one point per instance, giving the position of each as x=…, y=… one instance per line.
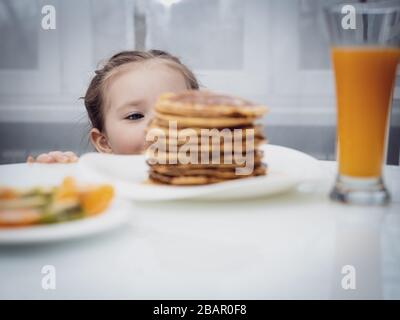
x=189, y=122
x=168, y=158
x=166, y=145
x=223, y=173
x=183, y=180
x=206, y=104
x=257, y=161
x=245, y=130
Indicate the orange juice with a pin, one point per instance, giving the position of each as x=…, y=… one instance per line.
x=365, y=79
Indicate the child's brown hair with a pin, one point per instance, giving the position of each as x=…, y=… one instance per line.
x=94, y=97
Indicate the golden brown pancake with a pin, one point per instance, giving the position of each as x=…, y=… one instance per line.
x=167, y=145
x=205, y=104
x=154, y=123
x=183, y=180
x=255, y=131
x=223, y=173
x=200, y=179
x=189, y=122
x=257, y=161
x=168, y=158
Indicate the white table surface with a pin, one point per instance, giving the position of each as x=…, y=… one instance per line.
x=290, y=246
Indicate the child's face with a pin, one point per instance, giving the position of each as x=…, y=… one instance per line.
x=130, y=98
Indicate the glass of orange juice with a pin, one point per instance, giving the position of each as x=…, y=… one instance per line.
x=365, y=39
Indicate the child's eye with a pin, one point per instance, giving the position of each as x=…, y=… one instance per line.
x=135, y=116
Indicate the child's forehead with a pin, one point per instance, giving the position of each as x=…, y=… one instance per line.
x=142, y=80
x=153, y=65
x=141, y=70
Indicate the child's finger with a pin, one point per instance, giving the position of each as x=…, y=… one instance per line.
x=30, y=159
x=55, y=153
x=72, y=157
x=58, y=156
x=44, y=158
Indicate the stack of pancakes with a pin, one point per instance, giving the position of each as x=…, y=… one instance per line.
x=181, y=119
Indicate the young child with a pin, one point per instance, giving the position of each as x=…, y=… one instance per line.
x=120, y=100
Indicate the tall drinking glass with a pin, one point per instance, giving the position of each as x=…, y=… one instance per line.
x=365, y=40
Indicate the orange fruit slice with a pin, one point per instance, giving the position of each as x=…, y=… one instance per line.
x=97, y=199
x=67, y=190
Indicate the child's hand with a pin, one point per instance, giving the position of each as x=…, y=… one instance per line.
x=54, y=157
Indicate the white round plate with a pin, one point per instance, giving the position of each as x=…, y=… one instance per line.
x=116, y=215
x=287, y=168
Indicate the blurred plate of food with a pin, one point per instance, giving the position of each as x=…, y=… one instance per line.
x=58, y=212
